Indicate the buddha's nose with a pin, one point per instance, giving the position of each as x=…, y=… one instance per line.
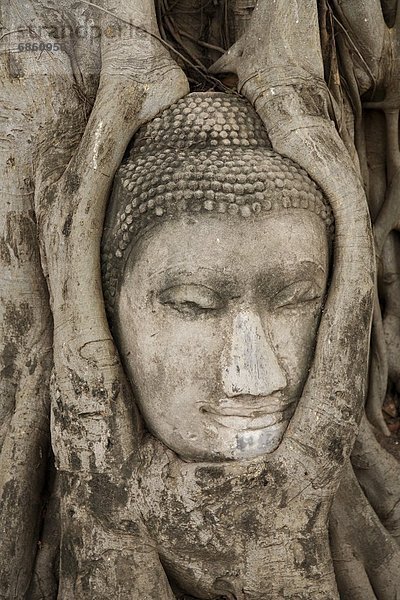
x=249, y=364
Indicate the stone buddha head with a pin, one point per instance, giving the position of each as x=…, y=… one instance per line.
x=215, y=267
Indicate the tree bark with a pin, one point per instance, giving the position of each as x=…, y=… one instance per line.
x=324, y=78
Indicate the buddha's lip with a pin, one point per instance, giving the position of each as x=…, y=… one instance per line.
x=250, y=407
x=245, y=420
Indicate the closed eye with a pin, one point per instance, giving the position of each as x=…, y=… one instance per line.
x=296, y=293
x=190, y=299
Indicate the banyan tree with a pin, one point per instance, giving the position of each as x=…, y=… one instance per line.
x=200, y=299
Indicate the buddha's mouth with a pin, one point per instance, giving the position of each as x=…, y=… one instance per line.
x=249, y=412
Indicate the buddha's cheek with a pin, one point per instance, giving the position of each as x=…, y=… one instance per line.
x=293, y=334
x=174, y=364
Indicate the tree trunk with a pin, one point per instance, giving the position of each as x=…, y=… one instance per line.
x=78, y=81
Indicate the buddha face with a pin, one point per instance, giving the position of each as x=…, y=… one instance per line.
x=216, y=321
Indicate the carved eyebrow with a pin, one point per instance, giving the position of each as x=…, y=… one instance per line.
x=305, y=264
x=273, y=283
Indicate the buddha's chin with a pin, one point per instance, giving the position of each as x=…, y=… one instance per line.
x=257, y=442
x=245, y=444
x=245, y=438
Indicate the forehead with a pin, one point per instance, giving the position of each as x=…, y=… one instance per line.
x=271, y=242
